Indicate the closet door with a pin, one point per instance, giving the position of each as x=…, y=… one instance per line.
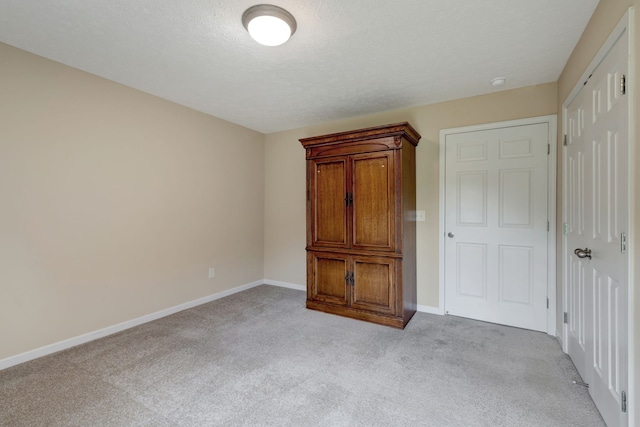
x=598, y=227
x=373, y=196
x=328, y=198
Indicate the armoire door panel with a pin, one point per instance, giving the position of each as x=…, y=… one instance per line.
x=374, y=284
x=373, y=201
x=329, y=283
x=328, y=202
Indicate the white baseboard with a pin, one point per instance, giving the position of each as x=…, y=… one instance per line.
x=81, y=339
x=429, y=309
x=420, y=308
x=90, y=336
x=559, y=338
x=285, y=285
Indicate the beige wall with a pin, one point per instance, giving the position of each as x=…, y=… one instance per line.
x=114, y=203
x=285, y=176
x=603, y=21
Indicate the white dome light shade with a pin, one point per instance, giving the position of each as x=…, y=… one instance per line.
x=269, y=30
x=269, y=25
x=498, y=81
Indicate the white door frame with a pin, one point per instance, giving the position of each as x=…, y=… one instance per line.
x=624, y=28
x=551, y=120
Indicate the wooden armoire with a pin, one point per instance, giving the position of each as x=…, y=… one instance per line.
x=361, y=230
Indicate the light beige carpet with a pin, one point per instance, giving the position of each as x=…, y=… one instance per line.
x=260, y=358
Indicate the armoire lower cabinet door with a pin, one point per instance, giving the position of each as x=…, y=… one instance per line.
x=374, y=285
x=328, y=277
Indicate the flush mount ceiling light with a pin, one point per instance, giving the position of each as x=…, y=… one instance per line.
x=498, y=81
x=269, y=25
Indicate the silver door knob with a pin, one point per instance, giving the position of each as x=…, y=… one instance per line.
x=451, y=235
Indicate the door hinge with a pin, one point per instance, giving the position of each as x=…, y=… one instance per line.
x=548, y=149
x=547, y=303
x=564, y=140
x=623, y=85
x=623, y=399
x=565, y=229
x=566, y=317
x=548, y=226
x=623, y=243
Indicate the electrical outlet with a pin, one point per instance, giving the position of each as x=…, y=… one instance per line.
x=420, y=216
x=212, y=273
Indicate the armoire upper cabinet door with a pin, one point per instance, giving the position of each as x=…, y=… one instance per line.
x=328, y=179
x=373, y=201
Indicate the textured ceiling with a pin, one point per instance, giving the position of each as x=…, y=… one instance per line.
x=347, y=57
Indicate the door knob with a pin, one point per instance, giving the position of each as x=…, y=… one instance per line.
x=583, y=253
x=451, y=235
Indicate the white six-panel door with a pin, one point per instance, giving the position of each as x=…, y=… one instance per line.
x=575, y=229
x=597, y=219
x=496, y=225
